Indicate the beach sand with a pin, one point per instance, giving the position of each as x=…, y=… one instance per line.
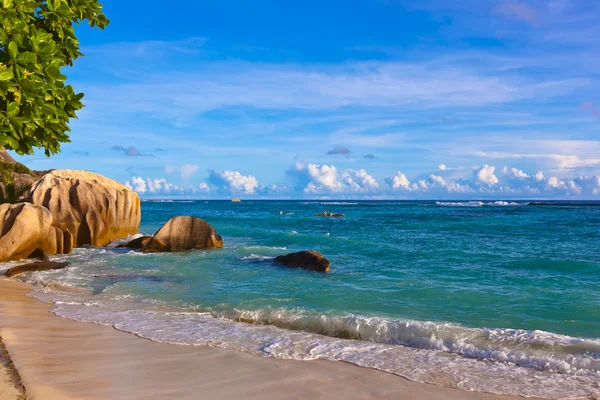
x=10, y=383
x=58, y=358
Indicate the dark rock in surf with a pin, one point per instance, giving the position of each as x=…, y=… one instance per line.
x=309, y=259
x=34, y=267
x=137, y=243
x=184, y=233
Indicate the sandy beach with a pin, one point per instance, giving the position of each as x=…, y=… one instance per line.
x=58, y=358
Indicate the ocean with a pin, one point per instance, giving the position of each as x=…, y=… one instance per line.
x=499, y=297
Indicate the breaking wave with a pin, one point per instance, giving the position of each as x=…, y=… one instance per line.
x=503, y=361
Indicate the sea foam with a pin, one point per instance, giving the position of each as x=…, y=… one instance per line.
x=503, y=361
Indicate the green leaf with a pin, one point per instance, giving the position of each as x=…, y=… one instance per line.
x=6, y=75
x=53, y=72
x=12, y=142
x=7, y=3
x=13, y=109
x=13, y=50
x=26, y=58
x=49, y=110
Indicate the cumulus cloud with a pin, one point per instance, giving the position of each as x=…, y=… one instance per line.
x=315, y=178
x=310, y=179
x=233, y=181
x=514, y=173
x=485, y=174
x=152, y=186
x=359, y=181
x=398, y=182
x=130, y=151
x=484, y=182
x=138, y=184
x=339, y=150
x=539, y=176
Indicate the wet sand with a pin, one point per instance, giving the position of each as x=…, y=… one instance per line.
x=62, y=359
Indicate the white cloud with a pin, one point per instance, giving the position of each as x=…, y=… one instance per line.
x=359, y=181
x=442, y=167
x=151, y=186
x=315, y=178
x=539, y=176
x=311, y=179
x=514, y=173
x=399, y=182
x=137, y=184
x=485, y=174
x=233, y=181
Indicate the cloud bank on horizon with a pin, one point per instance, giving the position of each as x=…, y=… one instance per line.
x=326, y=181
x=376, y=99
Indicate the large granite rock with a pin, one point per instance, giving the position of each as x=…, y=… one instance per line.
x=184, y=233
x=94, y=209
x=26, y=230
x=309, y=259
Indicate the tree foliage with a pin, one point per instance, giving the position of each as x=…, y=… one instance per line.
x=37, y=39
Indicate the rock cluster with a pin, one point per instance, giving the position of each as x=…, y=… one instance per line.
x=63, y=209
x=66, y=209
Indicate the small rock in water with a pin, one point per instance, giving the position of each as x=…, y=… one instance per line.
x=136, y=243
x=309, y=259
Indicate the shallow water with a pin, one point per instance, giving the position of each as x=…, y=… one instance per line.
x=491, y=296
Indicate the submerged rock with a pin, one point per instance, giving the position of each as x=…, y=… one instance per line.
x=184, y=233
x=136, y=243
x=95, y=210
x=309, y=259
x=26, y=230
x=34, y=267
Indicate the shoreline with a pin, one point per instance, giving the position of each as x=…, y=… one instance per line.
x=58, y=358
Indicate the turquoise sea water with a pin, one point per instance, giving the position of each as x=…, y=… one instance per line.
x=495, y=296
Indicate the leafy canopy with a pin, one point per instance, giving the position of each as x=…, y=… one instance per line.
x=37, y=39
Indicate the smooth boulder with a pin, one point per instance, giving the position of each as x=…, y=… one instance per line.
x=26, y=230
x=184, y=233
x=94, y=209
x=136, y=244
x=309, y=259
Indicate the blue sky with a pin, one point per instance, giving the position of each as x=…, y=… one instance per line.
x=353, y=99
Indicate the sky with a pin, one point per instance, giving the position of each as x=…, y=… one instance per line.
x=372, y=99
